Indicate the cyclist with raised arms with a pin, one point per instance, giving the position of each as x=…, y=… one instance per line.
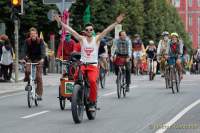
x=89, y=53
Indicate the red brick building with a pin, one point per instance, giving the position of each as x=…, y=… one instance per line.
x=189, y=11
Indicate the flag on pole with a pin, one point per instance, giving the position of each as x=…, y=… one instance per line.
x=87, y=14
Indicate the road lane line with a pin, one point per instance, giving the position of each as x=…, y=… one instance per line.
x=108, y=94
x=177, y=117
x=10, y=95
x=36, y=114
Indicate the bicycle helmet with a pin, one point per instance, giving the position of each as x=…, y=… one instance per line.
x=151, y=42
x=174, y=34
x=165, y=33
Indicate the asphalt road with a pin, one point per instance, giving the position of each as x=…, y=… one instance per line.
x=147, y=107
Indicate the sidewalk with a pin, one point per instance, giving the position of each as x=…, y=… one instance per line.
x=12, y=87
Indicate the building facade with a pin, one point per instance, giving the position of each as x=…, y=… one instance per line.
x=189, y=11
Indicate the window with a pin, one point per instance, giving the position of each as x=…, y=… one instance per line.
x=177, y=3
x=199, y=39
x=190, y=2
x=190, y=34
x=190, y=20
x=198, y=3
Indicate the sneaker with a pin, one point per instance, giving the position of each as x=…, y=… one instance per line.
x=92, y=107
x=39, y=98
x=127, y=89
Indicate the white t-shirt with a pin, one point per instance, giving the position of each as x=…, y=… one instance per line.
x=89, y=51
x=6, y=58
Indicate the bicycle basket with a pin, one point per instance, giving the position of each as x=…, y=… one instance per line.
x=120, y=61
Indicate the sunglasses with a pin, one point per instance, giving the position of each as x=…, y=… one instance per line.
x=89, y=29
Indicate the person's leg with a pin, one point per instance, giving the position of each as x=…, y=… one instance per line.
x=39, y=89
x=10, y=68
x=154, y=67
x=27, y=72
x=92, y=72
x=179, y=67
x=4, y=72
x=162, y=66
x=128, y=75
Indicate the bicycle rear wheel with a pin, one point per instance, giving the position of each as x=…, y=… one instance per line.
x=77, y=105
x=61, y=100
x=119, y=89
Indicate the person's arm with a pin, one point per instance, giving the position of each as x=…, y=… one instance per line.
x=129, y=48
x=59, y=51
x=159, y=47
x=113, y=48
x=42, y=46
x=111, y=27
x=67, y=27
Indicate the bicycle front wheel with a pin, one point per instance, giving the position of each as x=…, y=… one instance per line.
x=29, y=99
x=172, y=79
x=77, y=105
x=119, y=89
x=124, y=84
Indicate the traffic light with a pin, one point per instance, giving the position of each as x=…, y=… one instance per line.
x=17, y=6
x=16, y=3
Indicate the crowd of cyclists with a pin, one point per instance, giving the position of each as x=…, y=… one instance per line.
x=97, y=50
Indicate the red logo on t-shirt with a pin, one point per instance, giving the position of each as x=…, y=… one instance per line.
x=88, y=51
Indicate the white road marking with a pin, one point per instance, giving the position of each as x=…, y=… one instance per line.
x=35, y=114
x=15, y=94
x=177, y=117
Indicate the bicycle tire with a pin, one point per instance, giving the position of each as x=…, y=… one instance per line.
x=29, y=99
x=61, y=101
x=171, y=80
x=124, y=85
x=177, y=81
x=77, y=104
x=166, y=79
x=119, y=84
x=90, y=114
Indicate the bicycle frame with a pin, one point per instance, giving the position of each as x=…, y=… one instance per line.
x=32, y=78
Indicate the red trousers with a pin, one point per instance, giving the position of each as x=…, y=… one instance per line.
x=93, y=74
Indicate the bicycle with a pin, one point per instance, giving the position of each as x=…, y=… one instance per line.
x=102, y=75
x=172, y=75
x=80, y=97
x=31, y=86
x=121, y=76
x=67, y=80
x=151, y=68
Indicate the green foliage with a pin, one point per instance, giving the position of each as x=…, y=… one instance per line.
x=149, y=18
